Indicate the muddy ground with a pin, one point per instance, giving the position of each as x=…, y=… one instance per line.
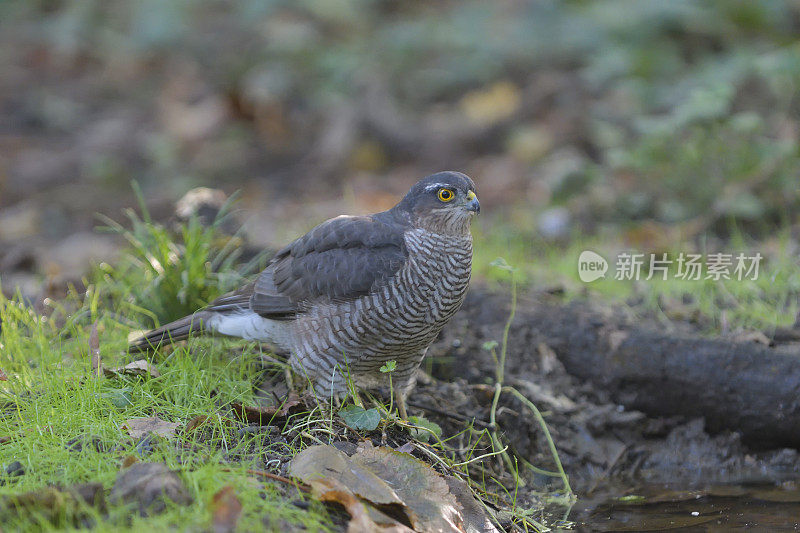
x=598, y=439
x=607, y=450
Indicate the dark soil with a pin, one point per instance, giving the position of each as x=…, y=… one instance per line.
x=606, y=449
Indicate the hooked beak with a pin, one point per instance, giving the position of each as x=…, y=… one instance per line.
x=472, y=202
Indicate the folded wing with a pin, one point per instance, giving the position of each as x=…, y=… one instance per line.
x=341, y=259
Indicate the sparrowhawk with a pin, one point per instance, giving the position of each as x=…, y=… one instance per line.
x=355, y=292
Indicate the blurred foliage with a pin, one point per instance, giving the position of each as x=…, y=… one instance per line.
x=672, y=107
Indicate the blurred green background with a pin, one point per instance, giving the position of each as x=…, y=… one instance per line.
x=650, y=125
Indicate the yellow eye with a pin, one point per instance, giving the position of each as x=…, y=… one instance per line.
x=446, y=195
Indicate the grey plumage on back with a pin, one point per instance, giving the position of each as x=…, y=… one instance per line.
x=356, y=292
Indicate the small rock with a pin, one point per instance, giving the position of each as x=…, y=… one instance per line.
x=15, y=469
x=202, y=202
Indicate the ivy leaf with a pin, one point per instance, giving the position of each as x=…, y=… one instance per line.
x=422, y=434
x=358, y=418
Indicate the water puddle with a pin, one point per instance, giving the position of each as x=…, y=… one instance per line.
x=715, y=509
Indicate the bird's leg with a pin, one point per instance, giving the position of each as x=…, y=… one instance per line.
x=400, y=398
x=336, y=401
x=401, y=392
x=288, y=377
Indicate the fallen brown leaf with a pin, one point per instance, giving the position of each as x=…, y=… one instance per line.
x=363, y=517
x=148, y=485
x=94, y=351
x=136, y=368
x=374, y=480
x=226, y=509
x=263, y=414
x=475, y=518
x=139, y=427
x=431, y=505
x=3, y=376
x=195, y=423
x=326, y=462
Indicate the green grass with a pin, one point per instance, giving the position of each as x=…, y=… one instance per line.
x=51, y=398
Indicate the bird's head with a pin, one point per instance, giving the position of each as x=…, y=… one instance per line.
x=444, y=203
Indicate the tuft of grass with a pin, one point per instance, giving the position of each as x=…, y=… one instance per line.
x=166, y=275
x=65, y=426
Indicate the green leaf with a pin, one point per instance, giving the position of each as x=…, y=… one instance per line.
x=424, y=435
x=389, y=366
x=489, y=345
x=358, y=418
x=501, y=264
x=119, y=398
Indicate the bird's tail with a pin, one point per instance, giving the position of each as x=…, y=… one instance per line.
x=176, y=331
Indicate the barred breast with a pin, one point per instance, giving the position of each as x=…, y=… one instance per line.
x=398, y=321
